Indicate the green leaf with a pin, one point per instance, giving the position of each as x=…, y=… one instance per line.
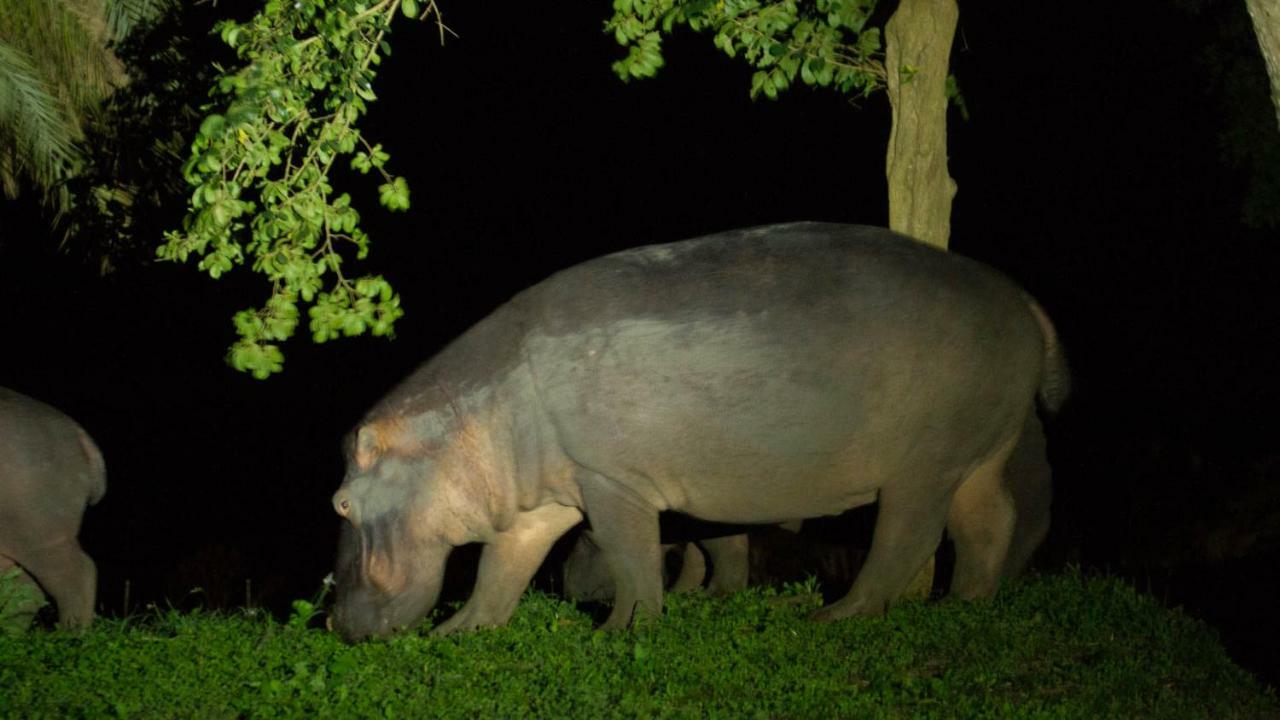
x=394, y=195
x=212, y=125
x=869, y=42
x=955, y=97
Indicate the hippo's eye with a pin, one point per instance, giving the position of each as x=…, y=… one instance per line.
x=345, y=505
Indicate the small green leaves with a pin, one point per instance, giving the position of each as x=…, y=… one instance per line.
x=394, y=195
x=369, y=306
x=825, y=43
x=643, y=59
x=259, y=359
x=212, y=126
x=849, y=14
x=366, y=161
x=955, y=98
x=259, y=169
x=229, y=31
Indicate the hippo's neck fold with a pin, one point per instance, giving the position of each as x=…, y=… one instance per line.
x=500, y=443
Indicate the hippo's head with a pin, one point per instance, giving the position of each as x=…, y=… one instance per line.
x=402, y=516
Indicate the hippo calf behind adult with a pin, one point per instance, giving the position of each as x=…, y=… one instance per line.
x=754, y=376
x=50, y=470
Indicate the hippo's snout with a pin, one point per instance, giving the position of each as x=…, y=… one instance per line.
x=385, y=582
x=357, y=624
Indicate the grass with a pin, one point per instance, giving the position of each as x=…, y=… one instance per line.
x=1062, y=646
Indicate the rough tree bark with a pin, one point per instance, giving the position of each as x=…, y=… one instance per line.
x=1266, y=25
x=917, y=51
x=917, y=47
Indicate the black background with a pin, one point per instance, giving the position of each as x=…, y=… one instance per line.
x=1089, y=170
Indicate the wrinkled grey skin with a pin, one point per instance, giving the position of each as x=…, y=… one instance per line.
x=50, y=470
x=753, y=376
x=1028, y=477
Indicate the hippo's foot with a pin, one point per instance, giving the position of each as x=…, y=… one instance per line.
x=463, y=621
x=849, y=607
x=625, y=613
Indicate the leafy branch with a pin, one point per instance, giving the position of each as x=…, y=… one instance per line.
x=824, y=42
x=260, y=172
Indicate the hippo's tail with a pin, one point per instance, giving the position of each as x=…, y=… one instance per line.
x=1055, y=383
x=97, y=467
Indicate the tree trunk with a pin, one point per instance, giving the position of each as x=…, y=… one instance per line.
x=917, y=47
x=1266, y=25
x=917, y=50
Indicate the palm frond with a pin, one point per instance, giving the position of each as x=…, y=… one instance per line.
x=125, y=15
x=66, y=41
x=36, y=134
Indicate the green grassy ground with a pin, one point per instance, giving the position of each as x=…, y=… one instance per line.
x=1060, y=646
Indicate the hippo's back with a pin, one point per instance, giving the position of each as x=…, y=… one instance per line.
x=754, y=270
x=48, y=463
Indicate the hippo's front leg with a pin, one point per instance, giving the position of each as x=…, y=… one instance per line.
x=625, y=527
x=508, y=563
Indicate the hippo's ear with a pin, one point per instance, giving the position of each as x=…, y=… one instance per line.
x=370, y=442
x=374, y=439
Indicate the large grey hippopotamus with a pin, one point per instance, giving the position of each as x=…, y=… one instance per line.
x=753, y=376
x=50, y=470
x=1027, y=476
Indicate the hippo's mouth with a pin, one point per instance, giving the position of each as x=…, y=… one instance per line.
x=385, y=583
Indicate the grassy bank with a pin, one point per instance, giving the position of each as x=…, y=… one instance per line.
x=1054, y=647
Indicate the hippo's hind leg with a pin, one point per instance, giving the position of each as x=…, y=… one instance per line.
x=1030, y=481
x=981, y=523
x=69, y=576
x=693, y=567
x=1031, y=528
x=626, y=529
x=908, y=530
x=729, y=563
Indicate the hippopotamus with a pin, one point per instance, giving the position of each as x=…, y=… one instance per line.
x=754, y=376
x=50, y=471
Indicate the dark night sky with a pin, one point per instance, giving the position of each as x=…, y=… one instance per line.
x=1088, y=170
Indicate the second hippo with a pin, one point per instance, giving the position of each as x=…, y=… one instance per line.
x=50, y=471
